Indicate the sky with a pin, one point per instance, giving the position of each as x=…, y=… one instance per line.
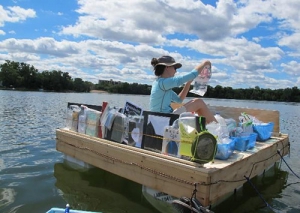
x=249, y=42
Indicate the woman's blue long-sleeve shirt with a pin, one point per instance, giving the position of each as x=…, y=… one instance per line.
x=162, y=94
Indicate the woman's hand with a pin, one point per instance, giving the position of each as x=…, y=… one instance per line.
x=200, y=67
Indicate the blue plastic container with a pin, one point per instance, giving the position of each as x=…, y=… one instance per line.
x=252, y=140
x=224, y=150
x=245, y=142
x=264, y=131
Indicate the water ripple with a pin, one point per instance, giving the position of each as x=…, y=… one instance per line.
x=30, y=164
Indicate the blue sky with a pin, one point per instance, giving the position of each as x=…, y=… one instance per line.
x=249, y=42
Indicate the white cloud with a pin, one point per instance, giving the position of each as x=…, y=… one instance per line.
x=15, y=14
x=47, y=46
x=292, y=41
x=292, y=68
x=117, y=39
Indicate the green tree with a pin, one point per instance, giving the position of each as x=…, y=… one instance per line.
x=9, y=74
x=80, y=85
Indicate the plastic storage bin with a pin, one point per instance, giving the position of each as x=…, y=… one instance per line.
x=224, y=150
x=264, y=130
x=252, y=141
x=245, y=142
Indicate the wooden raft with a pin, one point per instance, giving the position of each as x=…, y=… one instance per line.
x=215, y=180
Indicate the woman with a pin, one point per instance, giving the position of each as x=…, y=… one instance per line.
x=162, y=94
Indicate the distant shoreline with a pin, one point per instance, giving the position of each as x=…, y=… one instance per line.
x=41, y=90
x=98, y=91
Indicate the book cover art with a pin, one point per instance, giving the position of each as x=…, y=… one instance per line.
x=131, y=109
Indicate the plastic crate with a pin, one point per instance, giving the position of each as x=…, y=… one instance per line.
x=252, y=140
x=264, y=130
x=224, y=150
x=245, y=142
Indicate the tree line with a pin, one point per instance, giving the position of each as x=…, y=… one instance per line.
x=24, y=76
x=256, y=93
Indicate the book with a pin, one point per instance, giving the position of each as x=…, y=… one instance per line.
x=131, y=109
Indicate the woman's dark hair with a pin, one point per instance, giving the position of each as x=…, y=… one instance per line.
x=158, y=69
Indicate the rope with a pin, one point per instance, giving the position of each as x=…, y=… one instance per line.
x=193, y=196
x=278, y=151
x=261, y=197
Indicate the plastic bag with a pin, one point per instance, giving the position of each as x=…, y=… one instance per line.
x=200, y=82
x=246, y=123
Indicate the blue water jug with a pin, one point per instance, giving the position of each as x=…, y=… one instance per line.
x=67, y=210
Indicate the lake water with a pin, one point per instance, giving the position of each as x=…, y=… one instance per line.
x=34, y=177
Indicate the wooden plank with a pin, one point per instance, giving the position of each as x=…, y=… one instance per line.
x=123, y=148
x=139, y=150
x=133, y=173
x=162, y=174
x=253, y=163
x=176, y=176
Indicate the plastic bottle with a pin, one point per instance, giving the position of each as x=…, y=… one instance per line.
x=69, y=114
x=101, y=131
x=82, y=119
x=72, y=117
x=187, y=132
x=223, y=131
x=67, y=209
x=188, y=120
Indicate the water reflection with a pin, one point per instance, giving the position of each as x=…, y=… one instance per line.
x=28, y=159
x=2, y=166
x=96, y=190
x=270, y=185
x=7, y=196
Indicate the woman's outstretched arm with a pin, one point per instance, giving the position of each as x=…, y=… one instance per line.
x=182, y=95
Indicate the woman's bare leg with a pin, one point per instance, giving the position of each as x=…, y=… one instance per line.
x=198, y=105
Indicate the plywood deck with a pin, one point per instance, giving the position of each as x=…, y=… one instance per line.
x=172, y=175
